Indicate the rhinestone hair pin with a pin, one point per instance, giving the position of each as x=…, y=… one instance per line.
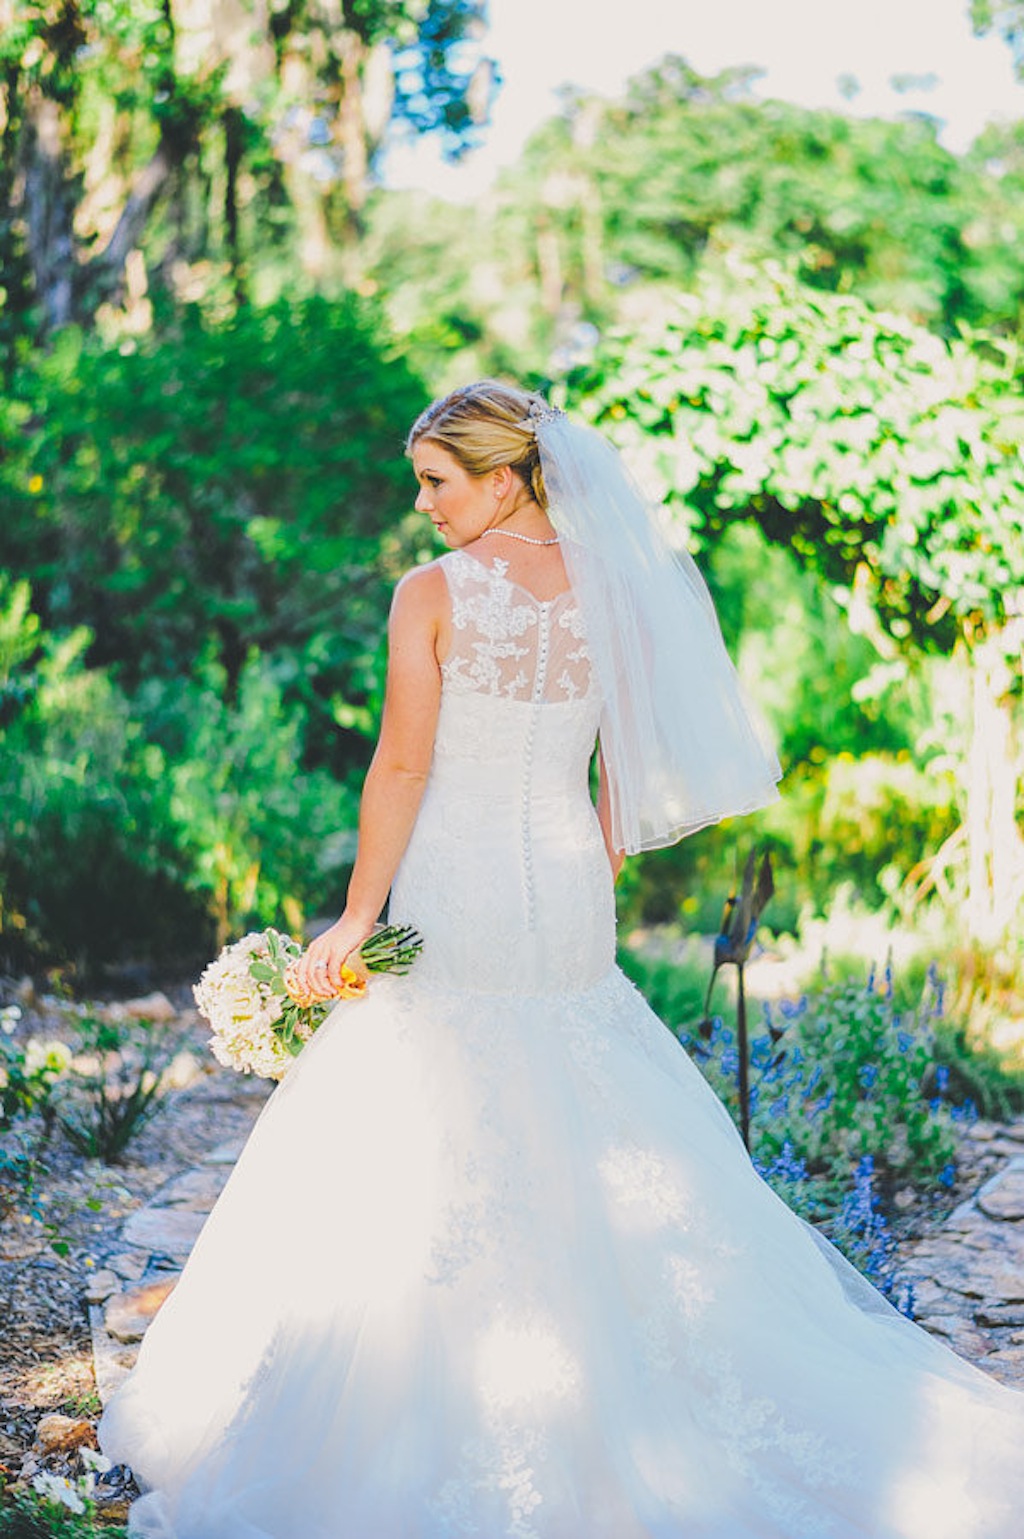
x=539, y=413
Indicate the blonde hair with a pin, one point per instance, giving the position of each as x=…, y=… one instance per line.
x=483, y=427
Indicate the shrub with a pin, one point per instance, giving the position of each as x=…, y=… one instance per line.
x=844, y=1076
x=112, y=1084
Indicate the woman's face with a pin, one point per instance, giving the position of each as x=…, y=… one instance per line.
x=459, y=506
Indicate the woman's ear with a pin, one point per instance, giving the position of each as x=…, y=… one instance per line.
x=501, y=481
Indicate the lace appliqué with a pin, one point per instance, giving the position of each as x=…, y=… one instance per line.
x=524, y=1373
x=507, y=642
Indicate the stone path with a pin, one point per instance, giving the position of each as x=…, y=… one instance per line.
x=156, y=1241
x=967, y=1277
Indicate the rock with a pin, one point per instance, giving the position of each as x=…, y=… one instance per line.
x=995, y=1314
x=964, y=1216
x=929, y=1298
x=61, y=1434
x=1007, y=1364
x=975, y=1274
x=184, y=1069
x=130, y=1264
x=129, y=1315
x=151, y=1007
x=1003, y=1196
x=947, y=1325
x=1015, y=1130
x=981, y=1132
x=25, y=993
x=163, y=1231
x=194, y=1192
x=101, y=1285
x=225, y=1154
x=111, y=1361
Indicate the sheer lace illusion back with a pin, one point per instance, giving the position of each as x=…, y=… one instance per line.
x=507, y=849
x=494, y=1261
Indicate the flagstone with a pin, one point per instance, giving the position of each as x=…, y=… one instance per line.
x=164, y=1231
x=128, y=1315
x=1003, y=1196
x=194, y=1192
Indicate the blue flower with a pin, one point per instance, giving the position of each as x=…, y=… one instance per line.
x=867, y=1075
x=942, y=1077
x=948, y=1175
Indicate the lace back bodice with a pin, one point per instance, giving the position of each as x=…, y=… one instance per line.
x=507, y=642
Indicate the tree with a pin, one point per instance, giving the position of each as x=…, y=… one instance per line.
x=611, y=196
x=885, y=458
x=188, y=129
x=1006, y=17
x=225, y=485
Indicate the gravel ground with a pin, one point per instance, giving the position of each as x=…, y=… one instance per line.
x=45, y=1350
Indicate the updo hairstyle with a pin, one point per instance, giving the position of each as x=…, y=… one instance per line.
x=483, y=427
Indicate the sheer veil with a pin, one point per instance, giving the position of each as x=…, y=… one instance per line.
x=682, y=745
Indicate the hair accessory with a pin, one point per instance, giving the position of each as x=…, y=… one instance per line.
x=540, y=411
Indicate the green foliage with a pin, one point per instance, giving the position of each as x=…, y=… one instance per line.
x=852, y=1077
x=113, y=1084
x=259, y=836
x=1005, y=17
x=613, y=198
x=219, y=486
x=87, y=856
x=873, y=450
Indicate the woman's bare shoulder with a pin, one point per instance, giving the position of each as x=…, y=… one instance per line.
x=422, y=594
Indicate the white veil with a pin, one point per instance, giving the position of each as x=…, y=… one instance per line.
x=681, y=744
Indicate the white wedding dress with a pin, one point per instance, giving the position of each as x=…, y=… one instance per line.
x=494, y=1261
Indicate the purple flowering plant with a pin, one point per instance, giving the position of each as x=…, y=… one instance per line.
x=848, y=1102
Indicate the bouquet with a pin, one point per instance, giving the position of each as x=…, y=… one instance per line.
x=260, y=1018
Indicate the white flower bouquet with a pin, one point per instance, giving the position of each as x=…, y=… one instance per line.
x=260, y=1018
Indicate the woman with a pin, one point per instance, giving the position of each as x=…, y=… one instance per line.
x=494, y=1260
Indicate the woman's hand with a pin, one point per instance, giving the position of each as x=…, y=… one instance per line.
x=318, y=971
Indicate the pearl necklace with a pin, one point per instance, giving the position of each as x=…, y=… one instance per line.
x=513, y=534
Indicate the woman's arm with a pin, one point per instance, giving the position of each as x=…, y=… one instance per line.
x=604, y=815
x=397, y=775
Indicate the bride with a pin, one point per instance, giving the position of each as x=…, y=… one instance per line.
x=494, y=1261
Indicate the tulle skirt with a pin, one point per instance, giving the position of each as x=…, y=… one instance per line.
x=499, y=1265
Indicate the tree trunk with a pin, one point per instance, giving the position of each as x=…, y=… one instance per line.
x=994, y=767
x=49, y=210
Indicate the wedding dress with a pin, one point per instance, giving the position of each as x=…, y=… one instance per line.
x=494, y=1261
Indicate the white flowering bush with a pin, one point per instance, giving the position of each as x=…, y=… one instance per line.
x=58, y=1506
